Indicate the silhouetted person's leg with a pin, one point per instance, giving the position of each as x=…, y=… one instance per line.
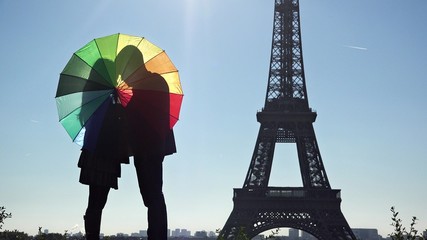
x=150, y=179
x=97, y=200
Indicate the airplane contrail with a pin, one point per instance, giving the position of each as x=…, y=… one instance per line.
x=356, y=47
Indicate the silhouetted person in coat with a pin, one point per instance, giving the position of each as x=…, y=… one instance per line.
x=135, y=124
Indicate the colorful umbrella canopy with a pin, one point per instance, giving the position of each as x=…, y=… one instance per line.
x=122, y=70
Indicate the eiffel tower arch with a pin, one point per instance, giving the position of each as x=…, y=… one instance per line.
x=287, y=118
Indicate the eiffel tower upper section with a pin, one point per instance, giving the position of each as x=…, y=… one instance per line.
x=286, y=116
x=286, y=89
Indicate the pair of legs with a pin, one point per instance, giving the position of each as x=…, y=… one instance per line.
x=149, y=171
x=97, y=200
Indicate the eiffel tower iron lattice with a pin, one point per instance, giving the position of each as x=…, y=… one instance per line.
x=287, y=118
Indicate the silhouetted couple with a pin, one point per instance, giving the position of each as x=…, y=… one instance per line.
x=116, y=131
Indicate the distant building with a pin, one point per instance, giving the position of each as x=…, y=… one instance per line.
x=143, y=233
x=366, y=233
x=185, y=233
x=201, y=234
x=122, y=235
x=181, y=233
x=211, y=234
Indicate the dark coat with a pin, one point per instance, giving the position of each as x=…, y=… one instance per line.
x=121, y=135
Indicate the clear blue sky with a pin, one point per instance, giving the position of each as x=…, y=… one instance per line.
x=365, y=64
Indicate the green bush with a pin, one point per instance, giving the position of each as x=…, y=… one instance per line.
x=8, y=235
x=3, y=215
x=400, y=232
x=241, y=235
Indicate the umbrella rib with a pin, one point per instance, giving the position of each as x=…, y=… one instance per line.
x=161, y=74
x=127, y=63
x=163, y=51
x=93, y=69
x=103, y=62
x=64, y=74
x=85, y=105
x=142, y=65
x=168, y=72
x=84, y=125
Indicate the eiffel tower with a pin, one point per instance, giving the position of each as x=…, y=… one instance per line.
x=287, y=118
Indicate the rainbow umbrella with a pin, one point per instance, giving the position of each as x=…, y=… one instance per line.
x=122, y=71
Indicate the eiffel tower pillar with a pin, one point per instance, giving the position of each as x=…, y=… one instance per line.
x=287, y=118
